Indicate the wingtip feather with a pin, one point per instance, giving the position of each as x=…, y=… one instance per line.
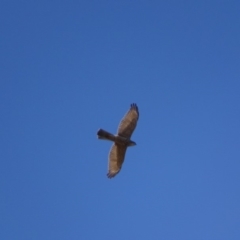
x=111, y=174
x=135, y=107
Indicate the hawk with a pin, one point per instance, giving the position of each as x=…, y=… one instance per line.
x=121, y=140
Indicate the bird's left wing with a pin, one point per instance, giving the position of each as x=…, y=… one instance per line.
x=115, y=159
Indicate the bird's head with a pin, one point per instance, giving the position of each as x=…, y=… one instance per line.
x=131, y=143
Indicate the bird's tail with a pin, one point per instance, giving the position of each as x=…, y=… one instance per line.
x=102, y=134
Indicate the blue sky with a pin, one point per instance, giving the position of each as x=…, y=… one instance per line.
x=69, y=68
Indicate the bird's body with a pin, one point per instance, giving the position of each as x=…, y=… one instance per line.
x=104, y=135
x=121, y=140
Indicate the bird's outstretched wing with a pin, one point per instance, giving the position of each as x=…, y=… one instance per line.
x=129, y=122
x=115, y=159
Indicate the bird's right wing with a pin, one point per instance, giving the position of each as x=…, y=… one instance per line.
x=129, y=122
x=115, y=159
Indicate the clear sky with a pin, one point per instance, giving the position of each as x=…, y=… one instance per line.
x=71, y=67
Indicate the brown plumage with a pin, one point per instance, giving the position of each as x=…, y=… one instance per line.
x=121, y=140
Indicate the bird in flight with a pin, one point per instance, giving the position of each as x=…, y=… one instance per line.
x=121, y=140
